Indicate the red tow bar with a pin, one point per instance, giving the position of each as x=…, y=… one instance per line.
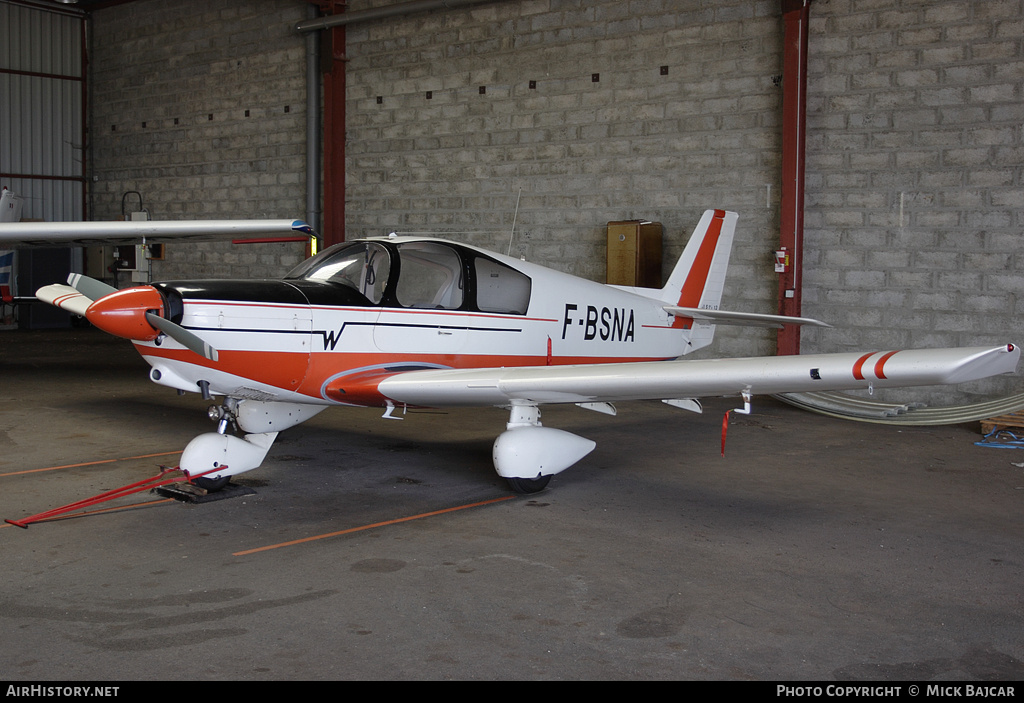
x=137, y=487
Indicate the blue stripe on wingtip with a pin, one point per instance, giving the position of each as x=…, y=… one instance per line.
x=302, y=226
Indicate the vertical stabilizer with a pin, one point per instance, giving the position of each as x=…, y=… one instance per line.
x=699, y=276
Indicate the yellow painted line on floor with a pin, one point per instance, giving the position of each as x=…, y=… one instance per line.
x=88, y=463
x=372, y=526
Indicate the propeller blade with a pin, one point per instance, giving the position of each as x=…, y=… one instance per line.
x=182, y=336
x=90, y=287
x=64, y=297
x=76, y=297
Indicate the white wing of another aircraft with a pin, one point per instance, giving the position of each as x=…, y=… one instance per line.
x=13, y=234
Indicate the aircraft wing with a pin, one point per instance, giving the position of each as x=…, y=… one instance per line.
x=13, y=234
x=677, y=379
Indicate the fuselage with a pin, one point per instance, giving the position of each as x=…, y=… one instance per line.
x=359, y=312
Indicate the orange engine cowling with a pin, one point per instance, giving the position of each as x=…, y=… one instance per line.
x=123, y=313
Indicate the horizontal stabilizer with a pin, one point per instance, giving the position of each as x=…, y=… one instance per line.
x=749, y=319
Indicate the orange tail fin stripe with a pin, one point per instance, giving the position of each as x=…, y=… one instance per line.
x=690, y=295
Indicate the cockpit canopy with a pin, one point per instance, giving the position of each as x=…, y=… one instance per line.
x=362, y=266
x=420, y=274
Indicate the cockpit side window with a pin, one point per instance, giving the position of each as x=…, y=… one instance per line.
x=431, y=276
x=363, y=266
x=500, y=288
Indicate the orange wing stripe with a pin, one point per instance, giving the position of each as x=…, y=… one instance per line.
x=858, y=368
x=881, y=363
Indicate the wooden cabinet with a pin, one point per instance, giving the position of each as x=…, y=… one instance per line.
x=634, y=253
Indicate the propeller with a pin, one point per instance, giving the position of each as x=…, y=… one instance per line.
x=89, y=287
x=77, y=296
x=182, y=336
x=65, y=298
x=127, y=313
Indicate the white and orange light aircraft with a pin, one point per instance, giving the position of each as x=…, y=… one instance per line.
x=400, y=322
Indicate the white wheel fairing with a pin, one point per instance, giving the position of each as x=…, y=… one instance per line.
x=529, y=452
x=211, y=451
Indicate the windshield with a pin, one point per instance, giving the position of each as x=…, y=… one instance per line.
x=363, y=266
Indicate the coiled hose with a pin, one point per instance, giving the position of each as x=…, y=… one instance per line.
x=853, y=408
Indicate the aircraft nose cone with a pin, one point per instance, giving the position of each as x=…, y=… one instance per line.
x=123, y=313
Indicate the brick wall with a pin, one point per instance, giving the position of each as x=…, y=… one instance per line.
x=600, y=110
x=200, y=106
x=914, y=191
x=594, y=111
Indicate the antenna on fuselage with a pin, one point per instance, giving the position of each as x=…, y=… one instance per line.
x=515, y=214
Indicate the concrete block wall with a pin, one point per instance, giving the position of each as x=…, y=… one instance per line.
x=584, y=113
x=914, y=144
x=200, y=106
x=600, y=110
x=915, y=192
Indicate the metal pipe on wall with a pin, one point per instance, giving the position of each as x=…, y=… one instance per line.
x=332, y=56
x=332, y=227
x=376, y=13
x=795, y=16
x=313, y=142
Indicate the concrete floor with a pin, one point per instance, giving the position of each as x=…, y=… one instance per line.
x=815, y=550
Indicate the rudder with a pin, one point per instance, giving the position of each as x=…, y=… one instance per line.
x=698, y=279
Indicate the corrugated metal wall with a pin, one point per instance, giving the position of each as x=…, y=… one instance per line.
x=42, y=88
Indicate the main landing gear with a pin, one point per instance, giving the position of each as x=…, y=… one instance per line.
x=529, y=485
x=527, y=454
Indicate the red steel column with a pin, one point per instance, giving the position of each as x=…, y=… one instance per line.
x=795, y=16
x=334, y=131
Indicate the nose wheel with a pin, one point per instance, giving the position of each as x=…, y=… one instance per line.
x=212, y=485
x=224, y=415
